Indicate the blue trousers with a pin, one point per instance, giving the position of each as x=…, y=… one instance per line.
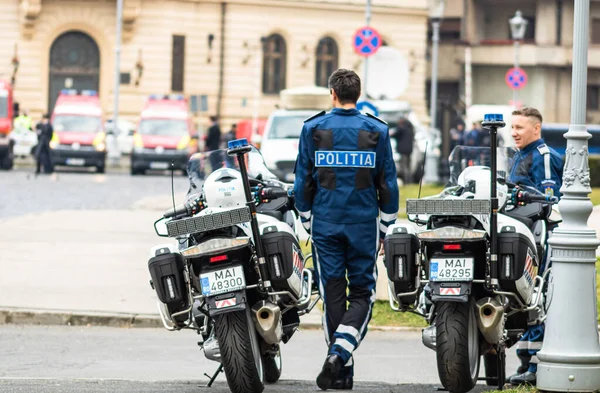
x=344, y=257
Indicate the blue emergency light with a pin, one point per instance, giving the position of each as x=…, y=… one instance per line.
x=89, y=93
x=237, y=143
x=493, y=117
x=68, y=92
x=176, y=97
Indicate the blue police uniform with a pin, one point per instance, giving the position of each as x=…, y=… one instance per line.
x=347, y=195
x=540, y=167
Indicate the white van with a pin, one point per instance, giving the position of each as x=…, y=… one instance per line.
x=279, y=143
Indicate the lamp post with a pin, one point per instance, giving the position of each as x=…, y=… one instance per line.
x=518, y=27
x=436, y=12
x=111, y=143
x=570, y=355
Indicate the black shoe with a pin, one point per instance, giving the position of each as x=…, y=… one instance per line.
x=522, y=369
x=331, y=368
x=527, y=378
x=343, y=384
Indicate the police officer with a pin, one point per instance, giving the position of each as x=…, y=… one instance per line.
x=541, y=167
x=43, y=154
x=345, y=179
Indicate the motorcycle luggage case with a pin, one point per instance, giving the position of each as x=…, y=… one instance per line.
x=517, y=262
x=284, y=257
x=401, y=247
x=166, y=271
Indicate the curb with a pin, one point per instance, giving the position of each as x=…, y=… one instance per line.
x=25, y=316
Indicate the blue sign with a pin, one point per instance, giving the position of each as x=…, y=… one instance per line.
x=345, y=159
x=366, y=41
x=366, y=107
x=433, y=271
x=516, y=78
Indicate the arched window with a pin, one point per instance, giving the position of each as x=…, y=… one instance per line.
x=274, y=62
x=327, y=60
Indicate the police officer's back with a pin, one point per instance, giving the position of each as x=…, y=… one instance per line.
x=345, y=179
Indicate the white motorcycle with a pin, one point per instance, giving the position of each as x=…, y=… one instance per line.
x=472, y=273
x=236, y=275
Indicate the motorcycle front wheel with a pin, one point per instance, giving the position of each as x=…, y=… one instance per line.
x=457, y=346
x=240, y=352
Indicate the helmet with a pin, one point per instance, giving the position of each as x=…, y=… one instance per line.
x=224, y=188
x=477, y=179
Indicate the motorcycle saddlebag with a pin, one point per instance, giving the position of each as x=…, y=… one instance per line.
x=401, y=247
x=517, y=261
x=284, y=257
x=166, y=271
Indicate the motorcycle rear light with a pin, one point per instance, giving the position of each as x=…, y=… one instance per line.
x=400, y=264
x=276, y=265
x=218, y=258
x=452, y=247
x=170, y=287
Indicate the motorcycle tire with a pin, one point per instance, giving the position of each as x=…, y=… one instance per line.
x=457, y=348
x=240, y=352
x=272, y=367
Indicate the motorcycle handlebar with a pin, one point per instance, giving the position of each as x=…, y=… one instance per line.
x=274, y=193
x=188, y=209
x=521, y=197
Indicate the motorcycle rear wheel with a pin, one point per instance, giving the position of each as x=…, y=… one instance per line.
x=457, y=346
x=240, y=352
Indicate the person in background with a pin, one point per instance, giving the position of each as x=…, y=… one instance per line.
x=213, y=142
x=43, y=153
x=405, y=136
x=457, y=135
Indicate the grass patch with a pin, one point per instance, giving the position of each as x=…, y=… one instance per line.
x=383, y=315
x=521, y=389
x=410, y=191
x=595, y=196
x=598, y=289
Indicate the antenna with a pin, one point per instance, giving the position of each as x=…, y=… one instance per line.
x=423, y=169
x=173, y=185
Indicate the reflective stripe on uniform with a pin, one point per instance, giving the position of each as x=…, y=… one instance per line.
x=387, y=216
x=547, y=167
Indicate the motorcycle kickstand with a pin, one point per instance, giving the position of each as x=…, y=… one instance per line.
x=501, y=367
x=215, y=375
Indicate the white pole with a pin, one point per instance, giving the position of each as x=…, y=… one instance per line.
x=113, y=151
x=468, y=78
x=570, y=355
x=366, y=61
x=515, y=91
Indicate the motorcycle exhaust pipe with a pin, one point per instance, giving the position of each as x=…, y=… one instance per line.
x=267, y=319
x=490, y=319
x=429, y=337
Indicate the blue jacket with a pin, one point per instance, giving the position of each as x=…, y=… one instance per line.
x=345, y=171
x=538, y=166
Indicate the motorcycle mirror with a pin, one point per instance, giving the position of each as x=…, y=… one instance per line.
x=160, y=227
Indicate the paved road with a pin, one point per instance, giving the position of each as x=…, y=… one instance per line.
x=84, y=359
x=22, y=193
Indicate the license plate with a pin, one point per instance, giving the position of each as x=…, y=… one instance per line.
x=159, y=165
x=451, y=269
x=75, y=161
x=222, y=281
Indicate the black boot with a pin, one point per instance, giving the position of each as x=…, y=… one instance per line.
x=329, y=372
x=522, y=368
x=344, y=383
x=527, y=378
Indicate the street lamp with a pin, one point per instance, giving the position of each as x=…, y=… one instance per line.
x=436, y=12
x=518, y=27
x=570, y=355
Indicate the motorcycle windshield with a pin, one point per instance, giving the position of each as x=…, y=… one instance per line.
x=201, y=165
x=463, y=157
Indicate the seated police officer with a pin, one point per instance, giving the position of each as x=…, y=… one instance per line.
x=539, y=166
x=345, y=179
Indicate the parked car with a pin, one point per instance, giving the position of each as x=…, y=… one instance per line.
x=124, y=134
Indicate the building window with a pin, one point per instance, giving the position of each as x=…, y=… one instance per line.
x=595, y=31
x=274, y=62
x=327, y=60
x=593, y=95
x=178, y=61
x=450, y=29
